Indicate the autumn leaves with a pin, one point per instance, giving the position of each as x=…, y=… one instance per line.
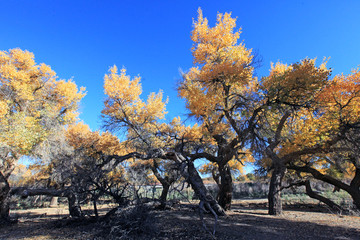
x=31, y=98
x=297, y=113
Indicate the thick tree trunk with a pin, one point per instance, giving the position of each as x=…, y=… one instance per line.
x=355, y=195
x=274, y=196
x=355, y=188
x=74, y=207
x=165, y=182
x=225, y=188
x=4, y=199
x=164, y=192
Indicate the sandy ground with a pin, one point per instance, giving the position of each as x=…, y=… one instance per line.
x=247, y=220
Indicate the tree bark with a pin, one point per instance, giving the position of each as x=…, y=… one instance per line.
x=74, y=207
x=4, y=199
x=201, y=191
x=164, y=191
x=166, y=182
x=95, y=208
x=355, y=188
x=325, y=200
x=225, y=188
x=189, y=172
x=352, y=189
x=274, y=196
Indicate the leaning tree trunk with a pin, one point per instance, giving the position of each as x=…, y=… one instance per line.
x=274, y=196
x=189, y=172
x=325, y=200
x=353, y=189
x=225, y=188
x=200, y=190
x=4, y=199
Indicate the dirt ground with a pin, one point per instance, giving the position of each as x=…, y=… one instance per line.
x=247, y=220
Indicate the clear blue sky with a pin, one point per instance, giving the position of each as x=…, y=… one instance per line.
x=82, y=39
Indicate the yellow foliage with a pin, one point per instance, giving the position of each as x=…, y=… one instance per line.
x=124, y=102
x=223, y=67
x=79, y=135
x=296, y=84
x=30, y=93
x=119, y=86
x=342, y=98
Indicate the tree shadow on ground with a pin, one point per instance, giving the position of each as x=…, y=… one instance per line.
x=299, y=207
x=250, y=226
x=184, y=223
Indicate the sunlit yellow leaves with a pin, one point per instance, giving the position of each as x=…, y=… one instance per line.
x=119, y=86
x=4, y=108
x=222, y=71
x=124, y=105
x=189, y=133
x=336, y=104
x=67, y=96
x=210, y=40
x=235, y=165
x=21, y=132
x=199, y=101
x=279, y=69
x=80, y=136
x=296, y=84
x=342, y=98
x=117, y=175
x=208, y=168
x=216, y=51
x=155, y=106
x=321, y=108
x=30, y=98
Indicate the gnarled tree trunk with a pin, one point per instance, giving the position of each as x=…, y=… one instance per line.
x=225, y=188
x=189, y=172
x=274, y=196
x=353, y=189
x=74, y=207
x=4, y=199
x=325, y=200
x=166, y=182
x=164, y=192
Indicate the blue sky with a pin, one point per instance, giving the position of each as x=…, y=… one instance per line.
x=82, y=39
